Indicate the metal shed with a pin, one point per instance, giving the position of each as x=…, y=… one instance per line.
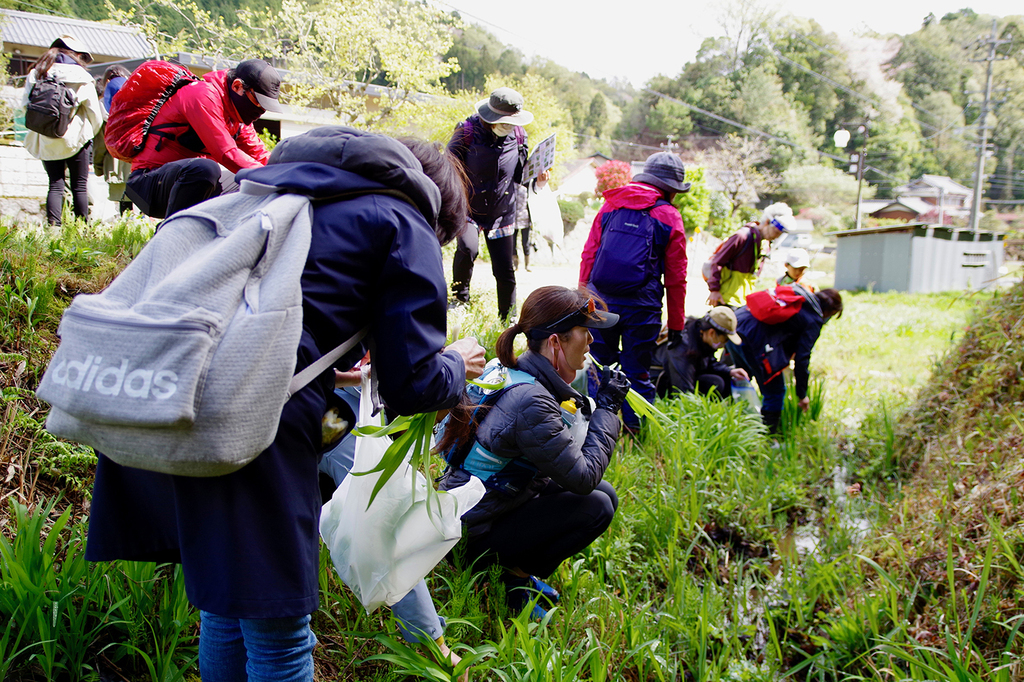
x=917, y=257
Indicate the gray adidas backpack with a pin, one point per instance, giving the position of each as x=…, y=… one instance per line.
x=184, y=363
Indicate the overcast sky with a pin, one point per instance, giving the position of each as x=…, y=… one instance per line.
x=637, y=40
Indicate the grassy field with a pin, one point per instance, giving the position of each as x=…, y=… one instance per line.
x=732, y=556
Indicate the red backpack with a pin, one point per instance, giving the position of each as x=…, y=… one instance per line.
x=135, y=106
x=773, y=307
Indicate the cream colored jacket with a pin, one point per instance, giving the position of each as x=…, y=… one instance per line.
x=85, y=124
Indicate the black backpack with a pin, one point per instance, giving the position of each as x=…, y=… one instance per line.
x=51, y=106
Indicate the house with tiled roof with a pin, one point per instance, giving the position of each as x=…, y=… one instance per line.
x=27, y=36
x=947, y=197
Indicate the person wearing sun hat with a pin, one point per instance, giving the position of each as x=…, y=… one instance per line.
x=732, y=271
x=71, y=153
x=202, y=136
x=491, y=144
x=634, y=256
x=691, y=360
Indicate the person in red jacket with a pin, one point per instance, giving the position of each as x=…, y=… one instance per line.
x=202, y=136
x=635, y=253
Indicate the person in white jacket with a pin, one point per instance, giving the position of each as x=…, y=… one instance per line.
x=65, y=61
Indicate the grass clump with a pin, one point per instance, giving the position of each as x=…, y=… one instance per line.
x=880, y=538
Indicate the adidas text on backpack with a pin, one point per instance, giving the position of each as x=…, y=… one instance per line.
x=51, y=106
x=184, y=363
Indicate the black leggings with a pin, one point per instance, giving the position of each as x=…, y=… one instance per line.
x=162, y=192
x=501, y=251
x=545, y=531
x=78, y=167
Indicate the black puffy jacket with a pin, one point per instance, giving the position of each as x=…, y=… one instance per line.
x=494, y=166
x=526, y=422
x=691, y=358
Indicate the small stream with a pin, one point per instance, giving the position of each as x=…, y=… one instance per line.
x=798, y=543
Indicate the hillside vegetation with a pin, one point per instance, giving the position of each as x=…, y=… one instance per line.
x=880, y=539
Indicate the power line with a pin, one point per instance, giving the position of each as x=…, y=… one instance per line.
x=761, y=133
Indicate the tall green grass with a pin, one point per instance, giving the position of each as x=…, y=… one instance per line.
x=731, y=557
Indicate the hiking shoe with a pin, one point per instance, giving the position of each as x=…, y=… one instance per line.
x=546, y=591
x=521, y=591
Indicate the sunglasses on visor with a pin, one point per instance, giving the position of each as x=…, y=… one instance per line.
x=585, y=310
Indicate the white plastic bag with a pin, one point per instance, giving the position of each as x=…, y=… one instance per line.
x=381, y=553
x=545, y=214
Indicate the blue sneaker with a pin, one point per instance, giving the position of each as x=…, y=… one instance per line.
x=522, y=596
x=546, y=591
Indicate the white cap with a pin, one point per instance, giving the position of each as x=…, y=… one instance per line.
x=798, y=258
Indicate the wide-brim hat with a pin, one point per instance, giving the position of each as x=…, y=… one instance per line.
x=783, y=223
x=665, y=171
x=264, y=81
x=505, y=105
x=723, y=320
x=74, y=44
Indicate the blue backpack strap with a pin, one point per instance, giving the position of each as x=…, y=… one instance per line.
x=456, y=456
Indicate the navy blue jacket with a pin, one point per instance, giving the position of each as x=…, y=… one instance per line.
x=249, y=541
x=494, y=166
x=795, y=337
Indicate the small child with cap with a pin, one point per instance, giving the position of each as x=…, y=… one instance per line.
x=797, y=262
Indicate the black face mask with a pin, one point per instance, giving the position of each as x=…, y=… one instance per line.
x=247, y=111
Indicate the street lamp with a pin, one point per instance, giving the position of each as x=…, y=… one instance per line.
x=842, y=138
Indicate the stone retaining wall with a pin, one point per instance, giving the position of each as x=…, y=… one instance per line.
x=23, y=185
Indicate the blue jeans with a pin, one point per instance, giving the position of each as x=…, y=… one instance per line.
x=255, y=649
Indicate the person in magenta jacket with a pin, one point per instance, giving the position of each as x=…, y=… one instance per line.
x=202, y=136
x=633, y=276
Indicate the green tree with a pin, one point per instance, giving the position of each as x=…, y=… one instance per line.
x=474, y=49
x=60, y=7
x=334, y=49
x=597, y=118
x=694, y=206
x=814, y=185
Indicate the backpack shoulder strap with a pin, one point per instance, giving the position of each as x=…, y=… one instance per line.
x=457, y=455
x=327, y=360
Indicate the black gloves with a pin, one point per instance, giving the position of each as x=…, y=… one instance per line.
x=675, y=337
x=612, y=391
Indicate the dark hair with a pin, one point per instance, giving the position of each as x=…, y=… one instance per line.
x=544, y=306
x=831, y=303
x=115, y=71
x=43, y=64
x=447, y=173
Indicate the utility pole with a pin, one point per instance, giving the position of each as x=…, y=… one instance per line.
x=979, y=175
